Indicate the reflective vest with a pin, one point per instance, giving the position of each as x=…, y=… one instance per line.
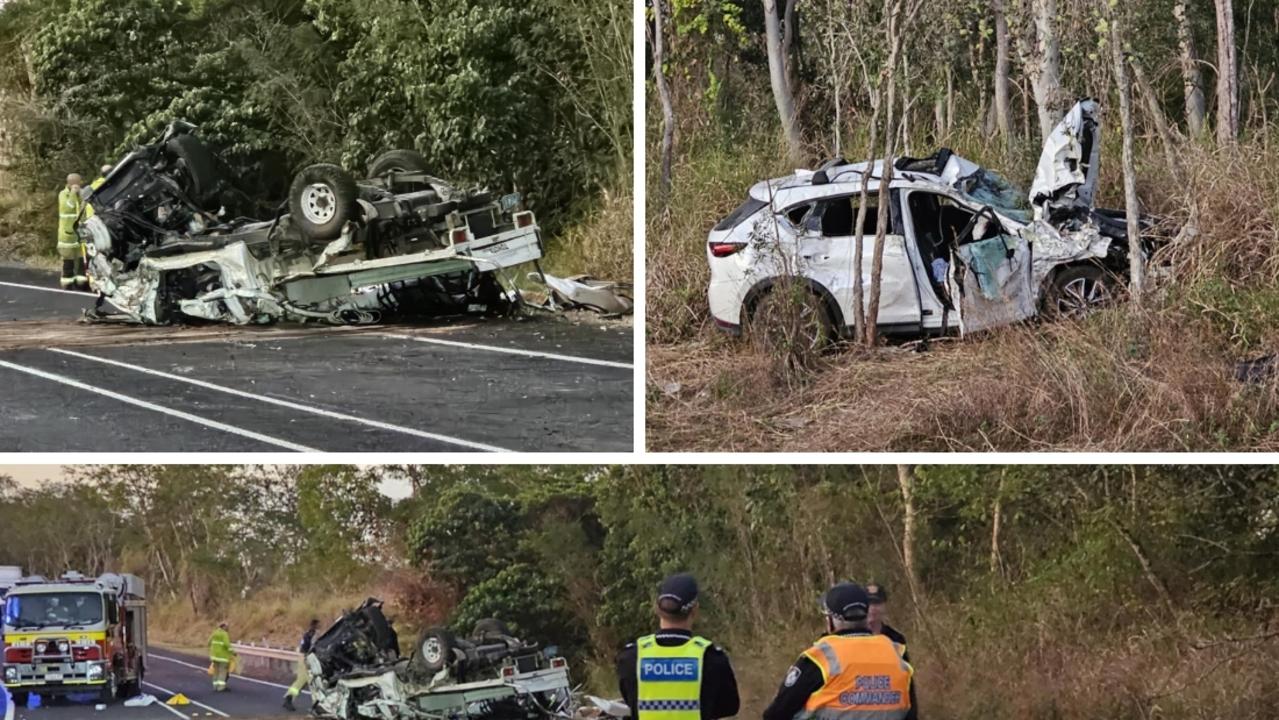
x=220, y=646
x=670, y=679
x=88, y=207
x=865, y=676
x=68, y=210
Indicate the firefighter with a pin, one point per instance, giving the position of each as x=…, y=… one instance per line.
x=69, y=206
x=850, y=673
x=301, y=676
x=220, y=656
x=674, y=674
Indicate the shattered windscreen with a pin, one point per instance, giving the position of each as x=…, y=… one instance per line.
x=990, y=188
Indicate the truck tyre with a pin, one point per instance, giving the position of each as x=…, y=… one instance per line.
x=398, y=161
x=435, y=649
x=111, y=690
x=1077, y=291
x=132, y=688
x=201, y=169
x=490, y=626
x=322, y=200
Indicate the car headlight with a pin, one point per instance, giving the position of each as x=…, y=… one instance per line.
x=41, y=647
x=11, y=674
x=64, y=647
x=95, y=671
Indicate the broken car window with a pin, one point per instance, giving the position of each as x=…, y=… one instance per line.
x=834, y=217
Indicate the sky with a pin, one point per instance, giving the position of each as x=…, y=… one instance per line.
x=36, y=475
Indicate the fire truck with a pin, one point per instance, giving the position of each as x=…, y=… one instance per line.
x=75, y=634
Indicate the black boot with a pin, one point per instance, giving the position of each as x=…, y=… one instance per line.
x=288, y=703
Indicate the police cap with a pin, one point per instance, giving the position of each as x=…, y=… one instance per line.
x=677, y=594
x=848, y=601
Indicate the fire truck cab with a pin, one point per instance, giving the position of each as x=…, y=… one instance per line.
x=75, y=634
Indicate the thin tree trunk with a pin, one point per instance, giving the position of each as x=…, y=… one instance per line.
x=906, y=482
x=1136, y=259
x=1041, y=54
x=783, y=97
x=997, y=516
x=1227, y=75
x=1003, y=113
x=859, y=265
x=656, y=40
x=1191, y=75
x=789, y=34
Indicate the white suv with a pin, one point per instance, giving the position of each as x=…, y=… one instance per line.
x=965, y=251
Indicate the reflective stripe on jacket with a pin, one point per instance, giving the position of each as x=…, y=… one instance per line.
x=220, y=646
x=670, y=679
x=866, y=678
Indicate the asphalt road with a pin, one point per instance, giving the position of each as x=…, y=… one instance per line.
x=533, y=385
x=169, y=673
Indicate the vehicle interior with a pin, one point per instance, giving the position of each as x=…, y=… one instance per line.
x=834, y=217
x=940, y=224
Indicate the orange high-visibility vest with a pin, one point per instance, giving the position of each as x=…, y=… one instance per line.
x=866, y=678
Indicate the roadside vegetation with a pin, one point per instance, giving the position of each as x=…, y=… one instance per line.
x=1070, y=593
x=532, y=97
x=1153, y=375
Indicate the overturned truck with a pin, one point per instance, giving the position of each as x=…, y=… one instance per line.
x=171, y=238
x=358, y=673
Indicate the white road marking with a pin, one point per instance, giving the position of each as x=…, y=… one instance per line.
x=157, y=408
x=205, y=669
x=85, y=295
x=160, y=703
x=210, y=708
x=512, y=351
x=289, y=404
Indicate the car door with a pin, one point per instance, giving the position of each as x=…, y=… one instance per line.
x=827, y=251
x=991, y=273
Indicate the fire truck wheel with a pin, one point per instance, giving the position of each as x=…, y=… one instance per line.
x=133, y=688
x=111, y=690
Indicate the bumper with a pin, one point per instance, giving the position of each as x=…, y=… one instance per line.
x=53, y=678
x=726, y=299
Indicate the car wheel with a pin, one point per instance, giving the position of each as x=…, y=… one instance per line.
x=1079, y=291
x=435, y=649
x=322, y=200
x=794, y=322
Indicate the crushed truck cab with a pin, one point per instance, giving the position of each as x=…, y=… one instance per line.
x=75, y=634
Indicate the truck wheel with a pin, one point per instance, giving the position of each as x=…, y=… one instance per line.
x=435, y=649
x=201, y=169
x=111, y=690
x=133, y=688
x=490, y=626
x=398, y=161
x=322, y=200
x=1078, y=291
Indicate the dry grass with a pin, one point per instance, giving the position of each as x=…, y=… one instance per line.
x=28, y=225
x=1157, y=378
x=601, y=244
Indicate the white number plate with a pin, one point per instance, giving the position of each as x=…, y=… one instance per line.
x=53, y=677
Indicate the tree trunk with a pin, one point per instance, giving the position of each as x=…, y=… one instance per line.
x=656, y=40
x=906, y=481
x=1045, y=64
x=1227, y=75
x=1136, y=259
x=871, y=330
x=1191, y=76
x=997, y=516
x=789, y=33
x=782, y=94
x=859, y=264
x=1003, y=113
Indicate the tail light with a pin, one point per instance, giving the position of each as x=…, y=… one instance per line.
x=81, y=654
x=524, y=219
x=559, y=662
x=18, y=655
x=458, y=236
x=508, y=672
x=724, y=249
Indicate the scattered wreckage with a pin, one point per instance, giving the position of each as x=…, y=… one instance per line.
x=965, y=251
x=357, y=673
x=171, y=239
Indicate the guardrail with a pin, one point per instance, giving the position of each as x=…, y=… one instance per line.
x=266, y=652
x=265, y=661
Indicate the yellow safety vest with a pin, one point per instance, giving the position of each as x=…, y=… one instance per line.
x=88, y=207
x=220, y=646
x=865, y=676
x=69, y=203
x=670, y=679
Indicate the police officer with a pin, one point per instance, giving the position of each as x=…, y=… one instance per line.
x=878, y=611
x=69, y=205
x=301, y=676
x=674, y=674
x=850, y=673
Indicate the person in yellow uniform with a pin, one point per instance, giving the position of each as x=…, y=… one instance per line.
x=674, y=674
x=301, y=677
x=220, y=656
x=850, y=673
x=69, y=206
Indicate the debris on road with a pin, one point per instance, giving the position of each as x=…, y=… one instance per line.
x=582, y=291
x=140, y=700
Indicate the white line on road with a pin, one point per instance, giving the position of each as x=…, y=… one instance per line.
x=157, y=408
x=205, y=669
x=512, y=351
x=85, y=295
x=193, y=702
x=160, y=703
x=289, y=404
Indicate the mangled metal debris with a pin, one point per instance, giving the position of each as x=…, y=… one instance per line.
x=582, y=291
x=357, y=673
x=172, y=239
